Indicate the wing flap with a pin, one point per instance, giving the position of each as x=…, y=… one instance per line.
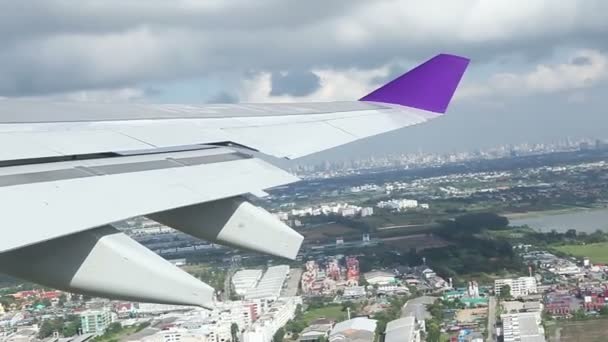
x=40, y=211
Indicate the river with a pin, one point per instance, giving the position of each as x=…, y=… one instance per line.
x=583, y=221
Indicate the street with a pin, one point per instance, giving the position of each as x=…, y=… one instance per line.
x=491, y=319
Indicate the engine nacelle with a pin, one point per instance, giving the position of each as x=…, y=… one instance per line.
x=107, y=263
x=234, y=222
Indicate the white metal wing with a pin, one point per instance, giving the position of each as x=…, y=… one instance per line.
x=70, y=170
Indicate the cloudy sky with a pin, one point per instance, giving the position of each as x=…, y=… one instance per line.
x=539, y=69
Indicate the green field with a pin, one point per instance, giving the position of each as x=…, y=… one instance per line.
x=331, y=311
x=597, y=252
x=580, y=331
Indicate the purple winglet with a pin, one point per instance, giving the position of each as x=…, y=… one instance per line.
x=429, y=86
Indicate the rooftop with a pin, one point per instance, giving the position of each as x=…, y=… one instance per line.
x=402, y=329
x=523, y=327
x=358, y=323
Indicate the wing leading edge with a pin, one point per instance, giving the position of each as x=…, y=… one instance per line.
x=73, y=169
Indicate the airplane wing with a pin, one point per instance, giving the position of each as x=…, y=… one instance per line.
x=70, y=170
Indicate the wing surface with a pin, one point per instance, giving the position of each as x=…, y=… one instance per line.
x=70, y=170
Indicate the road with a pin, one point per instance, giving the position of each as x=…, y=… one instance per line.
x=417, y=307
x=228, y=285
x=491, y=319
x=293, y=283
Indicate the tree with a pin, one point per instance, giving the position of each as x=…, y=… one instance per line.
x=114, y=328
x=234, y=331
x=46, y=329
x=279, y=335
x=349, y=305
x=433, y=332
x=579, y=315
x=71, y=329
x=62, y=300
x=570, y=234
x=505, y=292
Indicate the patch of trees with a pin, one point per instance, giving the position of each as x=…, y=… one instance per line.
x=469, y=252
x=469, y=224
x=505, y=292
x=279, y=336
x=433, y=325
x=391, y=313
x=570, y=236
x=66, y=326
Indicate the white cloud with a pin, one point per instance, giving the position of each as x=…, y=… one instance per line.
x=345, y=85
x=545, y=78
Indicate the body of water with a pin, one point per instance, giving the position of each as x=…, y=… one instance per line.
x=583, y=221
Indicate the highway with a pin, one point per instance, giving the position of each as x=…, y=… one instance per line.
x=492, y=319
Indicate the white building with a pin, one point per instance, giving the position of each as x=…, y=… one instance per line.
x=281, y=215
x=360, y=329
x=271, y=283
x=243, y=313
x=348, y=212
x=95, y=321
x=392, y=289
x=402, y=330
x=367, y=211
x=175, y=335
x=521, y=286
x=398, y=204
x=523, y=327
x=379, y=278
x=277, y=315
x=245, y=280
x=354, y=292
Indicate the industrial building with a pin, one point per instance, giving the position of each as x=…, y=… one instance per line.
x=271, y=283
x=402, y=330
x=360, y=329
x=523, y=327
x=245, y=280
x=379, y=278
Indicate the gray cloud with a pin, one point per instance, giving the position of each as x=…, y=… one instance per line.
x=223, y=97
x=295, y=83
x=60, y=46
x=581, y=60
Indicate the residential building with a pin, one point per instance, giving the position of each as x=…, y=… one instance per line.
x=367, y=211
x=521, y=286
x=95, y=321
x=277, y=315
x=398, y=204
